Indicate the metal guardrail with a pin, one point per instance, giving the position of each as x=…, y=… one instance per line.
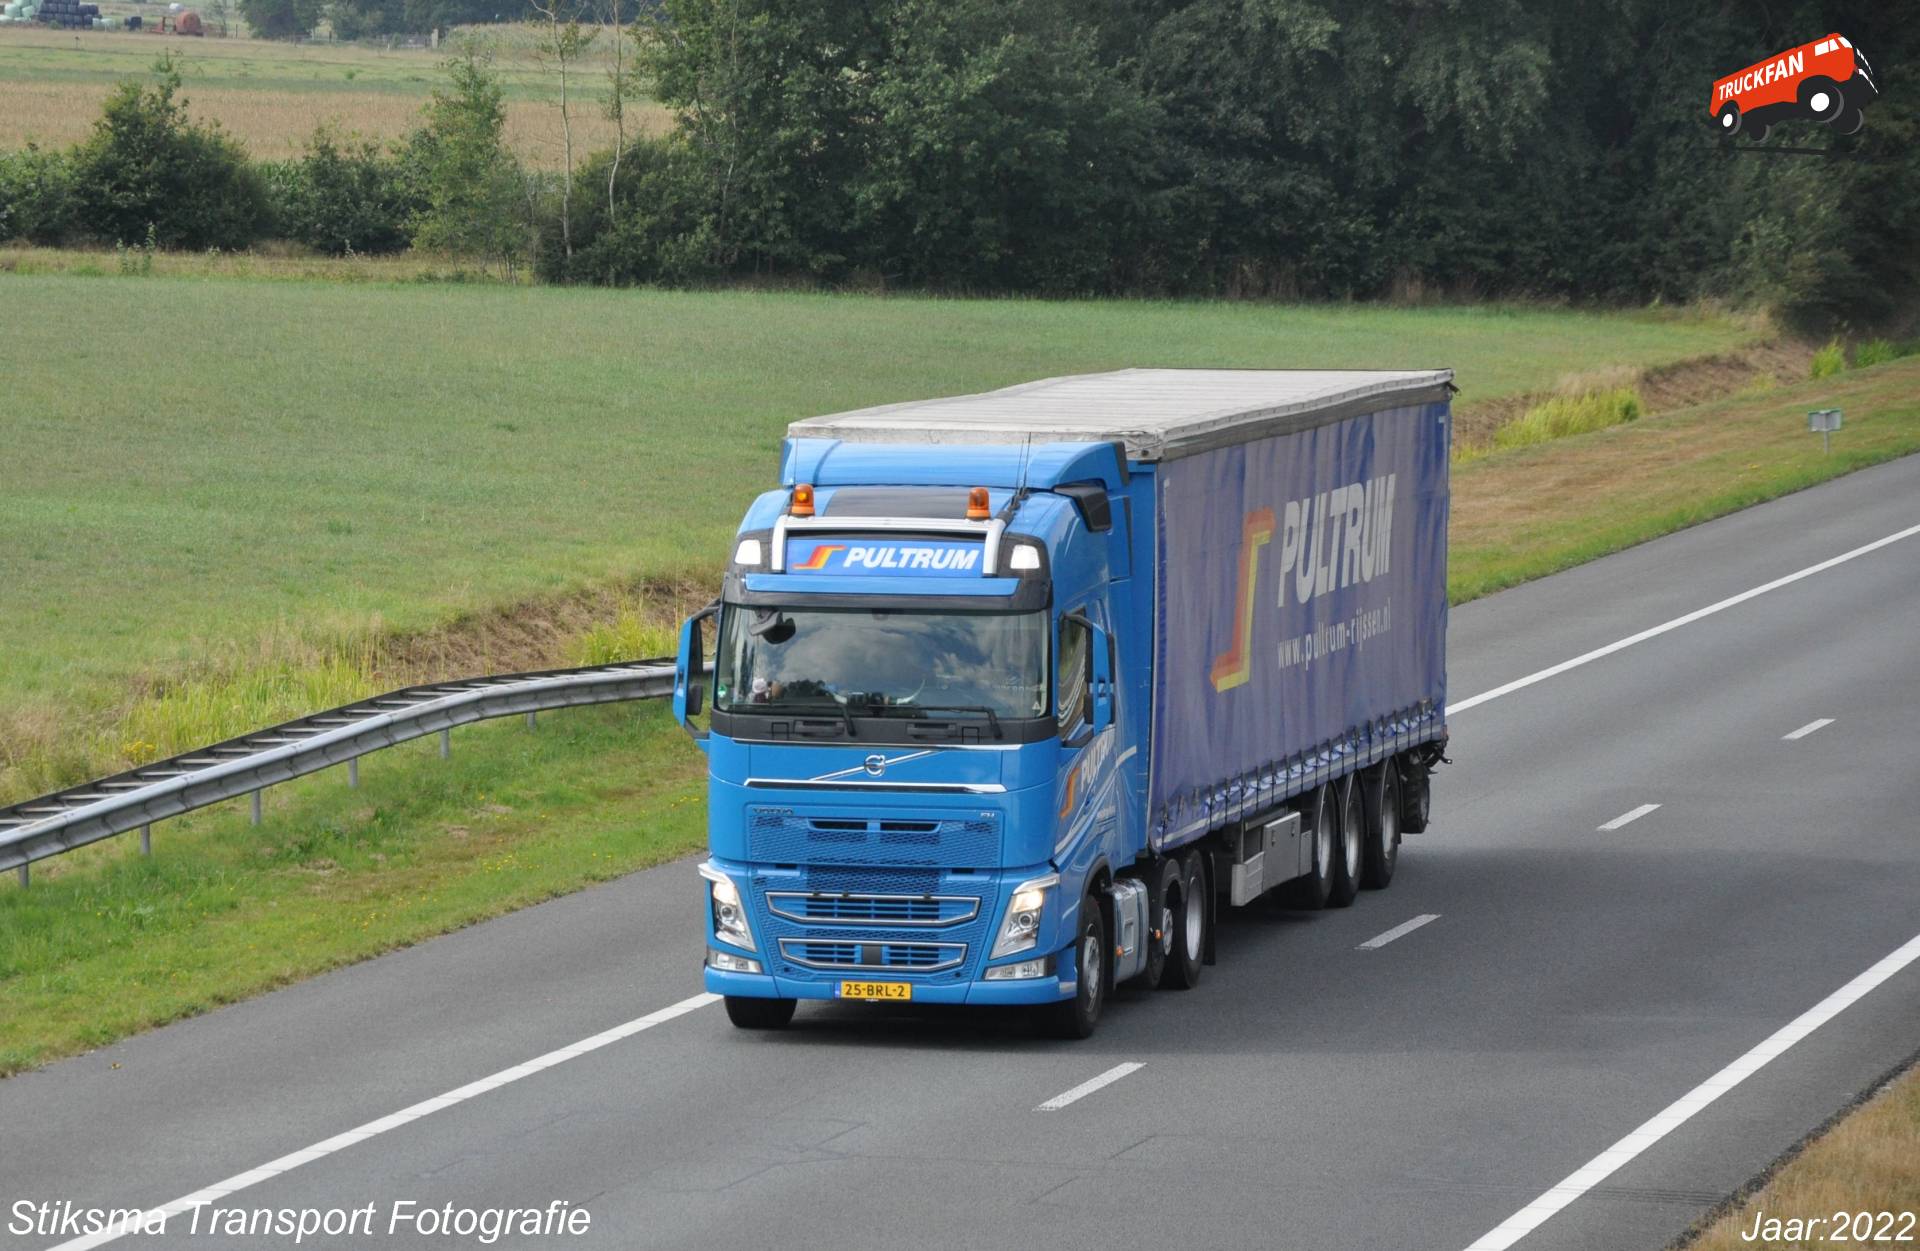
x=52, y=824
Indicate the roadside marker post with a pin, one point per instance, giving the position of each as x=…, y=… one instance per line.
x=1824, y=421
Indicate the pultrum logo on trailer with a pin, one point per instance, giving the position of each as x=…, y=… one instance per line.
x=821, y=555
x=1827, y=80
x=1327, y=541
x=1235, y=665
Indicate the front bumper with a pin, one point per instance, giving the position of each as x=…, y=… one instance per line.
x=1028, y=991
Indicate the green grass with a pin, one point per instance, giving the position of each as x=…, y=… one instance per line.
x=44, y=55
x=194, y=464
x=1533, y=511
x=1565, y=415
x=1828, y=361
x=106, y=942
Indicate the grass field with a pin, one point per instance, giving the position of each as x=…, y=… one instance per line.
x=270, y=95
x=197, y=466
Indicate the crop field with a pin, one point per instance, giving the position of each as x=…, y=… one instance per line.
x=270, y=95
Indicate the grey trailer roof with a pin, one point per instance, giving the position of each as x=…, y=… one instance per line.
x=1160, y=414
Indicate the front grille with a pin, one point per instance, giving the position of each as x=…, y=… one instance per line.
x=906, y=957
x=936, y=839
x=911, y=923
x=820, y=909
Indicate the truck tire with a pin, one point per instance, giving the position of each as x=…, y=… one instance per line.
x=1849, y=121
x=1416, y=795
x=1188, y=955
x=1162, y=890
x=1822, y=99
x=749, y=1013
x=1311, y=891
x=1381, y=794
x=1077, y=1017
x=1350, y=855
x=1729, y=119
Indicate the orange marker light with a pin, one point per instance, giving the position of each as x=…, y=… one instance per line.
x=802, y=500
x=977, y=509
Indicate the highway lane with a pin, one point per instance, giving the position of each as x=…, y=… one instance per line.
x=1309, y=1093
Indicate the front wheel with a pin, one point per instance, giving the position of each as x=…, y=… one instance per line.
x=1822, y=99
x=1729, y=120
x=1077, y=1017
x=749, y=1013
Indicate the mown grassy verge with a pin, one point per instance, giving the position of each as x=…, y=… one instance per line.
x=106, y=943
x=1868, y=1161
x=1531, y=511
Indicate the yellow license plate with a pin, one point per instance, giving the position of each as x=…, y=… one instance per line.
x=876, y=990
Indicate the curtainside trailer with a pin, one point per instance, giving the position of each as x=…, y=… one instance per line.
x=1012, y=693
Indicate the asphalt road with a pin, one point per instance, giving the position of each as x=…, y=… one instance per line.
x=1311, y=1093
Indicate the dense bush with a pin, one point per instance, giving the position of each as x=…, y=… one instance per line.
x=647, y=219
x=281, y=19
x=36, y=195
x=148, y=172
x=344, y=196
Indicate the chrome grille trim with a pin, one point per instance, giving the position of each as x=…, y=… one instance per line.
x=956, y=952
x=775, y=896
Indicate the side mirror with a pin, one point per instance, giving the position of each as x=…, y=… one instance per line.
x=1102, y=680
x=690, y=673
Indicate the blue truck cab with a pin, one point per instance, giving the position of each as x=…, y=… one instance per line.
x=1000, y=711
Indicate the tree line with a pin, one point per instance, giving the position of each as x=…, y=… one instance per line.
x=1316, y=149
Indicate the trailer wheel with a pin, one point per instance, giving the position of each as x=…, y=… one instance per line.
x=1163, y=892
x=750, y=1013
x=1821, y=98
x=1350, y=844
x=1382, y=803
x=1188, y=954
x=1311, y=892
x=1077, y=1017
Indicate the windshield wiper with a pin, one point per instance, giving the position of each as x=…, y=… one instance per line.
x=785, y=708
x=993, y=720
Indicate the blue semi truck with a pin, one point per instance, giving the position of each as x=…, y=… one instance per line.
x=1011, y=693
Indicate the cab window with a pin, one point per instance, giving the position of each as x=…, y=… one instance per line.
x=1076, y=676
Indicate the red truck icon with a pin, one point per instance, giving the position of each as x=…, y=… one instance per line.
x=1827, y=80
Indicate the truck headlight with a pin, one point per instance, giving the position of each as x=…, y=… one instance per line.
x=1020, y=928
x=729, y=913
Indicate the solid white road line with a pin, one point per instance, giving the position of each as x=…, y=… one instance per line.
x=1604, y=1165
x=1398, y=931
x=1627, y=818
x=1807, y=729
x=339, y=1142
x=1676, y=623
x=1087, y=1087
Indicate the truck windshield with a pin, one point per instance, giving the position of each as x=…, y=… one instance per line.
x=882, y=663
